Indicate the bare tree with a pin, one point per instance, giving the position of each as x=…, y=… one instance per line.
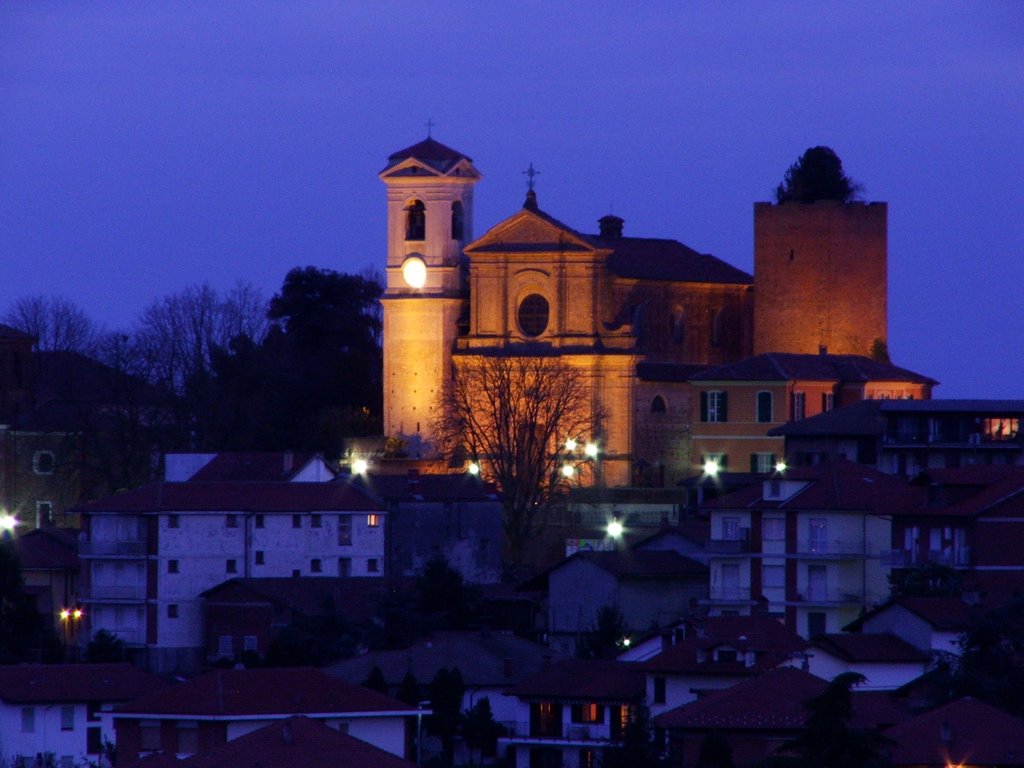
x=58, y=324
x=514, y=416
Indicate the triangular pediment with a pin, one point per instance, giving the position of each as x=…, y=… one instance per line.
x=529, y=232
x=413, y=167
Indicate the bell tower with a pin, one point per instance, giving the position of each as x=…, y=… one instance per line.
x=430, y=220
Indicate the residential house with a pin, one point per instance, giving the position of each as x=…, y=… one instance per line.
x=61, y=709
x=886, y=661
x=208, y=711
x=489, y=662
x=756, y=717
x=297, y=741
x=907, y=437
x=282, y=466
x=245, y=615
x=713, y=653
x=454, y=516
x=931, y=624
x=742, y=402
x=571, y=712
x=152, y=551
x=50, y=566
x=808, y=544
x=650, y=588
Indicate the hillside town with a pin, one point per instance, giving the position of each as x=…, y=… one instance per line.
x=538, y=497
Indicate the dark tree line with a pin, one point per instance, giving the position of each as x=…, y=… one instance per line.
x=206, y=371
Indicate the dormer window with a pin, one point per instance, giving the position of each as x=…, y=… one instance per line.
x=458, y=227
x=416, y=221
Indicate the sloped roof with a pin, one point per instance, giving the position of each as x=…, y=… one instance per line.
x=356, y=598
x=48, y=549
x=772, y=643
x=9, y=332
x=863, y=418
x=778, y=366
x=489, y=659
x=236, y=497
x=773, y=701
x=43, y=683
x=231, y=693
x=870, y=647
x=297, y=742
x=965, y=731
x=834, y=484
x=642, y=563
x=430, y=152
x=254, y=466
x=648, y=258
x=584, y=680
x=950, y=614
x=676, y=372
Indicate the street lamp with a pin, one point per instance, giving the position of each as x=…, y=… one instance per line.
x=8, y=523
x=474, y=468
x=70, y=618
x=359, y=466
x=615, y=529
x=711, y=467
x=420, y=706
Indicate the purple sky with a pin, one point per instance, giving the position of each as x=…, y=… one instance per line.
x=149, y=146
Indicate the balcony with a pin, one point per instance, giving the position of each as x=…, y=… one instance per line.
x=827, y=597
x=133, y=636
x=568, y=733
x=958, y=557
x=132, y=549
x=832, y=548
x=727, y=546
x=104, y=592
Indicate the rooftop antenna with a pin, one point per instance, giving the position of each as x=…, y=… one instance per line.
x=430, y=126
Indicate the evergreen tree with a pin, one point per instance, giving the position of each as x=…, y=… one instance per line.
x=375, y=681
x=480, y=730
x=445, y=692
x=715, y=752
x=409, y=690
x=816, y=175
x=604, y=640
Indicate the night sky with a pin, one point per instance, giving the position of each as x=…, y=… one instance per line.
x=149, y=146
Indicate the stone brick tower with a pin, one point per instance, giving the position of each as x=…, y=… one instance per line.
x=430, y=219
x=820, y=277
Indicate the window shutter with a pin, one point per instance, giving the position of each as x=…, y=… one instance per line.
x=753, y=462
x=703, y=406
x=725, y=407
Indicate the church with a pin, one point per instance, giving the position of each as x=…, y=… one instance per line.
x=639, y=317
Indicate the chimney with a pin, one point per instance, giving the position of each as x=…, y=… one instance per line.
x=611, y=227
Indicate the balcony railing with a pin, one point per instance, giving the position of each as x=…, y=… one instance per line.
x=832, y=547
x=827, y=597
x=954, y=557
x=730, y=595
x=116, y=592
x=580, y=732
x=133, y=636
x=727, y=546
x=112, y=548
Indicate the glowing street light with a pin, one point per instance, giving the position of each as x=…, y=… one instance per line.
x=615, y=529
x=591, y=450
x=359, y=466
x=8, y=522
x=474, y=468
x=711, y=467
x=567, y=470
x=571, y=445
x=780, y=466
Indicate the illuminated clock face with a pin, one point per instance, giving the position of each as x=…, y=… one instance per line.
x=414, y=270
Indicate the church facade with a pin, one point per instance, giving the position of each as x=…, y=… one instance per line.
x=637, y=317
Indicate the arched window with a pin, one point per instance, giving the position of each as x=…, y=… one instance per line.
x=677, y=327
x=457, y=220
x=533, y=315
x=764, y=407
x=658, y=404
x=416, y=221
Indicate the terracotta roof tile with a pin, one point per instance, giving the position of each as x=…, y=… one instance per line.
x=584, y=680
x=645, y=258
x=966, y=731
x=253, y=466
x=273, y=691
x=776, y=366
x=48, y=549
x=40, y=683
x=870, y=647
x=356, y=598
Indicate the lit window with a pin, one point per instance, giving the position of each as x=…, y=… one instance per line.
x=372, y=520
x=587, y=713
x=1000, y=429
x=713, y=406
x=533, y=315
x=764, y=407
x=416, y=221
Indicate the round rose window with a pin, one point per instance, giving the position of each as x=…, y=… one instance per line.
x=533, y=315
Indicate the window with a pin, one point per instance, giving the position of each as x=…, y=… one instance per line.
x=828, y=402
x=764, y=407
x=774, y=489
x=458, y=220
x=315, y=565
x=818, y=535
x=659, y=690
x=815, y=624
x=372, y=520
x=315, y=521
x=658, y=404
x=1000, y=430
x=773, y=528
x=260, y=557
x=372, y=566
x=259, y=521
x=225, y=646
x=173, y=521
x=44, y=513
x=587, y=713
x=93, y=740
x=773, y=576
x=231, y=521
x=172, y=611
x=344, y=530
x=172, y=566
x=762, y=463
x=43, y=462
x=296, y=521
x=149, y=735
x=250, y=643
x=416, y=221
x=713, y=406
x=231, y=566
x=533, y=315
x=188, y=737
x=344, y=567
x=799, y=406
x=717, y=327
x=28, y=719
x=731, y=528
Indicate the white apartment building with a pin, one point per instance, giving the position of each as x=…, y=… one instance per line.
x=150, y=552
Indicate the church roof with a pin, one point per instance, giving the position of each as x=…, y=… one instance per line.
x=648, y=258
x=776, y=366
x=432, y=153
